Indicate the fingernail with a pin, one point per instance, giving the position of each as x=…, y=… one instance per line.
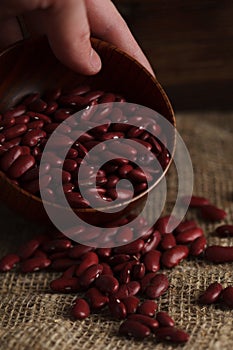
x=95, y=61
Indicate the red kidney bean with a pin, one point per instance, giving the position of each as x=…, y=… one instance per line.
x=185, y=225
x=50, y=128
x=189, y=235
x=80, y=90
x=224, y=230
x=134, y=329
x=7, y=122
x=106, y=269
x=227, y=296
x=196, y=202
x=51, y=107
x=25, y=150
x=104, y=252
x=152, y=242
x=60, y=141
x=124, y=170
x=81, y=309
x=117, y=309
x=15, y=112
x=37, y=124
x=56, y=173
x=37, y=105
x=65, y=285
x=20, y=166
x=28, y=249
x=8, y=262
x=7, y=145
x=198, y=246
x=133, y=287
x=62, y=263
x=161, y=224
x=131, y=304
x=107, y=284
x=138, y=271
x=72, y=153
x=39, y=116
x=145, y=320
x=14, y=131
x=171, y=334
x=34, y=264
x=9, y=157
x=70, y=165
x=76, y=201
x=124, y=235
x=56, y=245
x=90, y=275
x=174, y=255
x=147, y=308
x=130, y=248
x=168, y=241
x=218, y=254
x=158, y=286
x=88, y=259
x=2, y=138
x=164, y=319
x=212, y=213
x=78, y=251
x=211, y=294
x=33, y=137
x=139, y=175
x=59, y=256
x=124, y=275
x=96, y=299
x=23, y=119
x=152, y=260
x=53, y=159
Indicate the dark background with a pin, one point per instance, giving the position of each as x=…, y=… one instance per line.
x=190, y=46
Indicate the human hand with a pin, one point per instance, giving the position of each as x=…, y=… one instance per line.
x=68, y=26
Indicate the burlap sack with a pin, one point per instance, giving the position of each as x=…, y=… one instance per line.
x=33, y=318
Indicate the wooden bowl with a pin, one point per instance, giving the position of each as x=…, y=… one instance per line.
x=31, y=66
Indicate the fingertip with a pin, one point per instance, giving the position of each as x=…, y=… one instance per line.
x=95, y=62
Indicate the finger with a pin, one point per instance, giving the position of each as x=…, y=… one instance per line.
x=66, y=25
x=107, y=24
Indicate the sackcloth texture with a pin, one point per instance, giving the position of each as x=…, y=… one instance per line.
x=34, y=318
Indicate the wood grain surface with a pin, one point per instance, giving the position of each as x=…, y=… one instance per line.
x=190, y=45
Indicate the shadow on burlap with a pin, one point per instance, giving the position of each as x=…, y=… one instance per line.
x=31, y=317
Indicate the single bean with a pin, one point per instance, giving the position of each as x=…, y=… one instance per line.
x=23, y=119
x=107, y=284
x=34, y=264
x=212, y=213
x=134, y=329
x=152, y=242
x=168, y=241
x=117, y=309
x=56, y=245
x=197, y=202
x=39, y=116
x=174, y=255
x=8, y=262
x=81, y=309
x=198, y=246
x=152, y=260
x=88, y=259
x=158, y=286
x=218, y=254
x=171, y=334
x=96, y=299
x=147, y=308
x=26, y=250
x=189, y=235
x=14, y=131
x=20, y=166
x=37, y=124
x=130, y=248
x=131, y=303
x=37, y=105
x=227, y=296
x=211, y=294
x=61, y=263
x=15, y=112
x=164, y=319
x=138, y=271
x=185, y=225
x=90, y=275
x=65, y=285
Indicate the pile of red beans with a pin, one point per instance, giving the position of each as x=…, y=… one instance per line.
x=26, y=128
x=127, y=279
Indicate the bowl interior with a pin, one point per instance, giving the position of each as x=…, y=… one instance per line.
x=30, y=66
